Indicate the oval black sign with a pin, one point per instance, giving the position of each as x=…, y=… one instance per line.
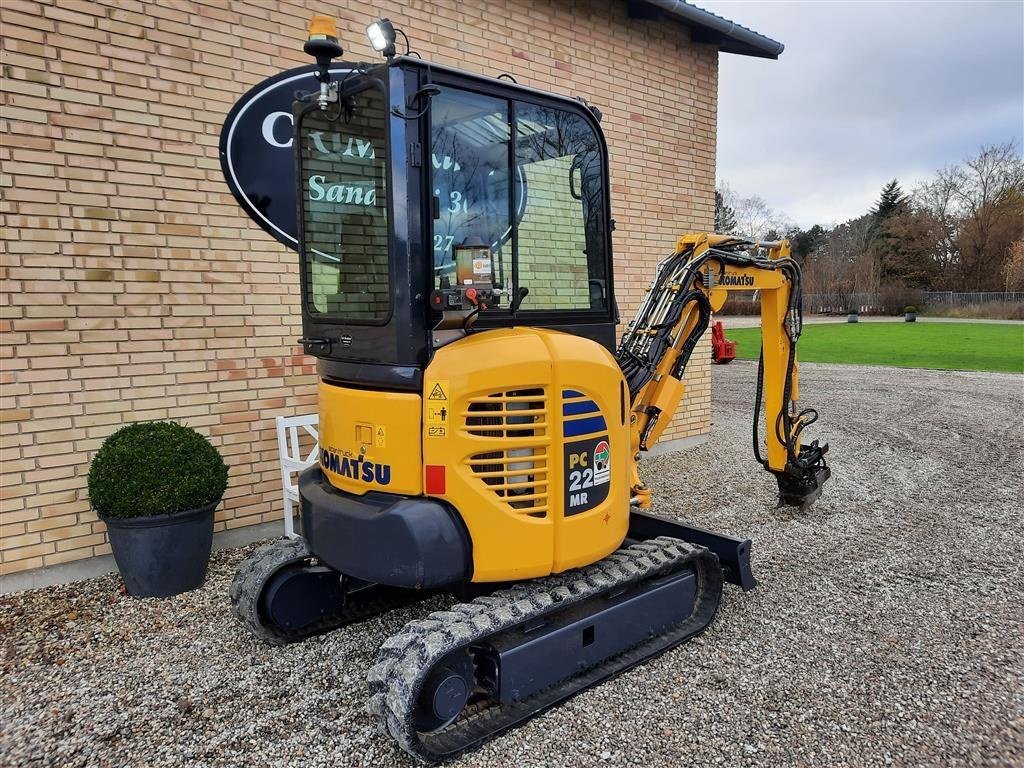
x=256, y=153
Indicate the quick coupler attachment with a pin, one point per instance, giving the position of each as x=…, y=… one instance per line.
x=801, y=481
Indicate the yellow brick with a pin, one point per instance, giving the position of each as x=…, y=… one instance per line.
x=18, y=562
x=15, y=414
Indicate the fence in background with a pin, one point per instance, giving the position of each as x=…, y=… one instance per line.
x=956, y=299
x=840, y=303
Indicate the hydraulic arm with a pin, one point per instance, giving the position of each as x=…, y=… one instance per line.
x=689, y=285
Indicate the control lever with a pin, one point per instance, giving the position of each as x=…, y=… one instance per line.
x=521, y=294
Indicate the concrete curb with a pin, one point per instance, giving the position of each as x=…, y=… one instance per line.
x=92, y=567
x=671, y=446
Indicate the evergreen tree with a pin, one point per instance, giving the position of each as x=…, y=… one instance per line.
x=725, y=216
x=892, y=200
x=888, y=249
x=805, y=241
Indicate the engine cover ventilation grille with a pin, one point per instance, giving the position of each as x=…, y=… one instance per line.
x=516, y=468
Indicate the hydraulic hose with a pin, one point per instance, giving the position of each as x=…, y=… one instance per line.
x=757, y=409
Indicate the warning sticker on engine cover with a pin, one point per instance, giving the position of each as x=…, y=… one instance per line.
x=437, y=408
x=587, y=474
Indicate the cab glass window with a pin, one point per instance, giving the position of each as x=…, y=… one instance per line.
x=470, y=184
x=518, y=197
x=561, y=240
x=343, y=175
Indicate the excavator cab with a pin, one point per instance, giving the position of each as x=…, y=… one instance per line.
x=424, y=190
x=456, y=274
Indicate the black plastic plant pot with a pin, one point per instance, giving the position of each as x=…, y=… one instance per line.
x=162, y=555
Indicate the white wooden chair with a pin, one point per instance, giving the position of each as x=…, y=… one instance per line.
x=292, y=461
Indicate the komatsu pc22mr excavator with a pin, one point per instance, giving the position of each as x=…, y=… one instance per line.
x=480, y=424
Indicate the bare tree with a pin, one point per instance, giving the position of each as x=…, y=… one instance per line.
x=978, y=207
x=752, y=215
x=936, y=199
x=843, y=265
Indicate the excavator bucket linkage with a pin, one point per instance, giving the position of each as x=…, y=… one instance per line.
x=801, y=481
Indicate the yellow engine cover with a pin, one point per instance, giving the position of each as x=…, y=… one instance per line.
x=530, y=427
x=370, y=441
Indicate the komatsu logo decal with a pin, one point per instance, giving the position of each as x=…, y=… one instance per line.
x=737, y=280
x=355, y=468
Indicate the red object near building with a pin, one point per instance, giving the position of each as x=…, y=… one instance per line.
x=722, y=350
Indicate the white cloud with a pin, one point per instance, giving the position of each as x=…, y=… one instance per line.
x=863, y=93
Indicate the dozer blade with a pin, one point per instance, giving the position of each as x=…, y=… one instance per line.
x=447, y=683
x=733, y=553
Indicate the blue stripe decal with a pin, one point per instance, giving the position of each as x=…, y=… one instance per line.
x=583, y=426
x=571, y=393
x=583, y=406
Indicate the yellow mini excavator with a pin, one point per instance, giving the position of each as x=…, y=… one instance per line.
x=480, y=423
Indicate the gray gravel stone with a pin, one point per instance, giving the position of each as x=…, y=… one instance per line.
x=886, y=629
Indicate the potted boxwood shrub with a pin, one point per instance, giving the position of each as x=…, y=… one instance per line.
x=853, y=315
x=910, y=314
x=155, y=485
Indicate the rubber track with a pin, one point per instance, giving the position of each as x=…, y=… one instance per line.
x=405, y=659
x=254, y=573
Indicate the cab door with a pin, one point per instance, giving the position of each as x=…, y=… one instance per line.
x=360, y=314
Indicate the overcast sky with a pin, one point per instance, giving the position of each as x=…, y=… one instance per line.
x=864, y=92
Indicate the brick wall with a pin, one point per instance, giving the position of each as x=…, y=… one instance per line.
x=133, y=287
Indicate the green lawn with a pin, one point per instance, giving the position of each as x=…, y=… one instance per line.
x=955, y=346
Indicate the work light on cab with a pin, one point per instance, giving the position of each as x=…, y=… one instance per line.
x=382, y=37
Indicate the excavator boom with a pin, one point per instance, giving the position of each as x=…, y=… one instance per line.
x=689, y=285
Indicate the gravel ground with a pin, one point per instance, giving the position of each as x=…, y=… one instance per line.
x=886, y=629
